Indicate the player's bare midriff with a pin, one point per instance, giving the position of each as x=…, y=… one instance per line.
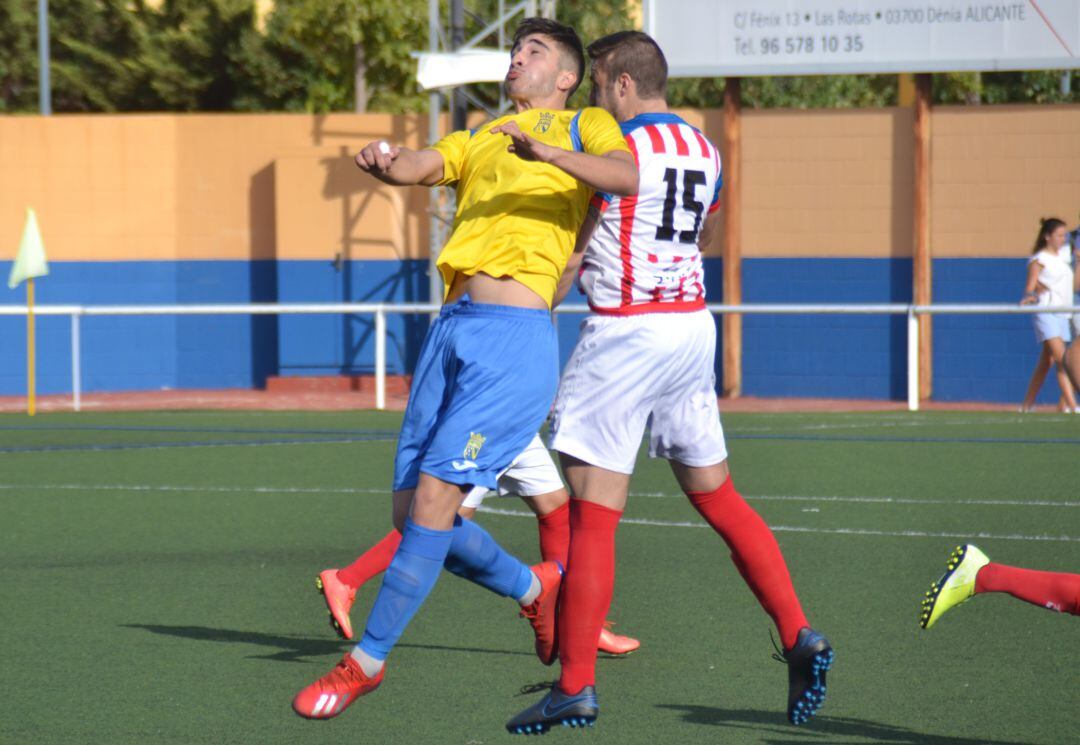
x=483, y=288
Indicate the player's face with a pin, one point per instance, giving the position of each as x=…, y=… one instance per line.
x=535, y=67
x=1057, y=239
x=601, y=93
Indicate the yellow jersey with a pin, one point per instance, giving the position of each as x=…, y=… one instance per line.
x=517, y=218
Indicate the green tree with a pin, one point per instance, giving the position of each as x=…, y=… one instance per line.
x=198, y=55
x=94, y=56
x=18, y=61
x=89, y=40
x=192, y=55
x=310, y=53
x=124, y=55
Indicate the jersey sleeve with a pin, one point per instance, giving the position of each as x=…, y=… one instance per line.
x=597, y=132
x=715, y=204
x=452, y=150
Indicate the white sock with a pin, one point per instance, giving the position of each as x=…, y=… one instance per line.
x=368, y=664
x=532, y=593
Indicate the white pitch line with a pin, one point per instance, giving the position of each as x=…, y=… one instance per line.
x=828, y=531
x=628, y=520
x=187, y=445
x=866, y=424
x=645, y=495
x=214, y=489
x=883, y=500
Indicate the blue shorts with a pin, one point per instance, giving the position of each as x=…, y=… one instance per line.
x=483, y=385
x=1050, y=326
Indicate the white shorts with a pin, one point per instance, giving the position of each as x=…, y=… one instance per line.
x=627, y=373
x=530, y=474
x=1051, y=326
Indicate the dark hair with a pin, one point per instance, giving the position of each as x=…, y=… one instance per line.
x=636, y=54
x=1047, y=226
x=565, y=38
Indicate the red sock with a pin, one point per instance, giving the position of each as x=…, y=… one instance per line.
x=756, y=556
x=1054, y=590
x=555, y=534
x=586, y=591
x=376, y=559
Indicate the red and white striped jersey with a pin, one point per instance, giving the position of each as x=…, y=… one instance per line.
x=643, y=256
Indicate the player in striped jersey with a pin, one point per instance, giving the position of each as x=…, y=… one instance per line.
x=644, y=359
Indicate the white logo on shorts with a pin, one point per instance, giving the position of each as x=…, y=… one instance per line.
x=464, y=465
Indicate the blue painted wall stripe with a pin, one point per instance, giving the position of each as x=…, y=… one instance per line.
x=975, y=358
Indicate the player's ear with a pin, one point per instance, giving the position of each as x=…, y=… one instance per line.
x=625, y=84
x=565, y=81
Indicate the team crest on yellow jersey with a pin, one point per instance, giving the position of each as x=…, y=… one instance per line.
x=472, y=447
x=544, y=124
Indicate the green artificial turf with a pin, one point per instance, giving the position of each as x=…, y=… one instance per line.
x=156, y=585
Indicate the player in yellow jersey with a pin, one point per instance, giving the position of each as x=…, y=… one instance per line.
x=488, y=369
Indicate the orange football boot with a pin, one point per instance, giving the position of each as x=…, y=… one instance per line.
x=339, y=599
x=336, y=691
x=611, y=643
x=541, y=612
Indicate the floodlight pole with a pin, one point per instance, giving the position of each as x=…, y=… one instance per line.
x=459, y=107
x=436, y=226
x=44, y=86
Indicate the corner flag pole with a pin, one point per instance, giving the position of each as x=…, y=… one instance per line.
x=30, y=407
x=30, y=262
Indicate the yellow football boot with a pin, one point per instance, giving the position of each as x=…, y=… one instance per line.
x=955, y=586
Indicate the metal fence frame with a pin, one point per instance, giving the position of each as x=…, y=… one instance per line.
x=381, y=310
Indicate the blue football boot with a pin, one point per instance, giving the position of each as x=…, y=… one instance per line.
x=807, y=662
x=579, y=710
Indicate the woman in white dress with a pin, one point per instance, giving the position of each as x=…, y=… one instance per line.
x=1050, y=281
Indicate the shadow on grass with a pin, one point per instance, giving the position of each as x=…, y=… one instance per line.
x=291, y=648
x=820, y=730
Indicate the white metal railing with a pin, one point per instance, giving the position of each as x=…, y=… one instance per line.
x=380, y=311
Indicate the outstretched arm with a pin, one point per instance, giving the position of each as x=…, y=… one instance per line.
x=400, y=166
x=612, y=173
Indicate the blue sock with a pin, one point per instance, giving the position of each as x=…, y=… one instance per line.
x=408, y=580
x=476, y=556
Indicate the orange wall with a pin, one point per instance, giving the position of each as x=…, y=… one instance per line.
x=103, y=187
x=995, y=175
x=827, y=183
x=168, y=187
x=231, y=186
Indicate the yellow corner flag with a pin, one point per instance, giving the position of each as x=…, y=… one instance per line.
x=29, y=263
x=30, y=260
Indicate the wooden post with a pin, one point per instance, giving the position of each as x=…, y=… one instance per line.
x=732, y=253
x=905, y=89
x=921, y=259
